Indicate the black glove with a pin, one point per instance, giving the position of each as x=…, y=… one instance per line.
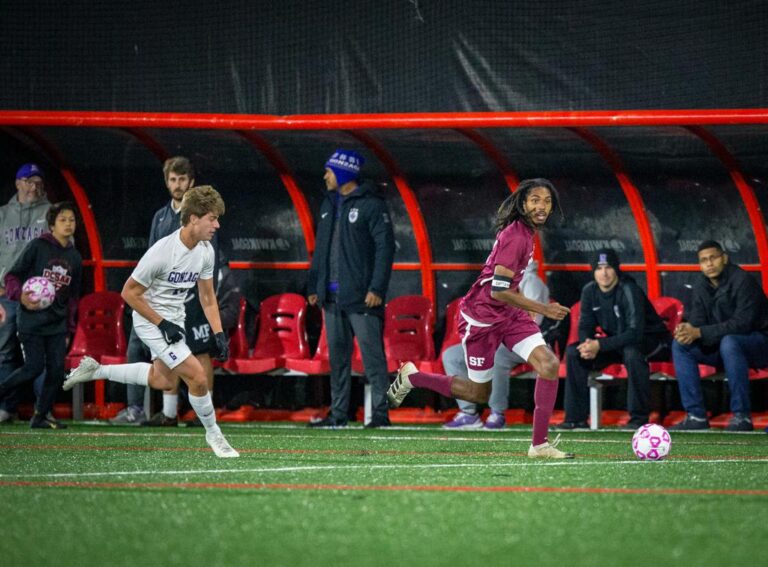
x=172, y=333
x=222, y=344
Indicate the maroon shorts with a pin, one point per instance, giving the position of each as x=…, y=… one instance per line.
x=519, y=333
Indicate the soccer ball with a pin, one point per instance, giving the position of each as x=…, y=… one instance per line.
x=41, y=289
x=651, y=442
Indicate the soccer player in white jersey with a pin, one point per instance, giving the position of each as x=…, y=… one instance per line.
x=156, y=291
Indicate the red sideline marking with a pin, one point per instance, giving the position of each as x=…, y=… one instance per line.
x=405, y=488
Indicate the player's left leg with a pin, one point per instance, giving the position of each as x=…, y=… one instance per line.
x=546, y=364
x=191, y=371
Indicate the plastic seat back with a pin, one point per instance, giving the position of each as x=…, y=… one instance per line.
x=321, y=352
x=573, y=330
x=99, y=325
x=452, y=314
x=408, y=328
x=282, y=327
x=238, y=341
x=670, y=309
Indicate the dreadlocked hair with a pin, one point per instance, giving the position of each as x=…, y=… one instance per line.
x=513, y=207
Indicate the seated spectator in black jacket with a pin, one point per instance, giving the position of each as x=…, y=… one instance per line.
x=727, y=326
x=632, y=333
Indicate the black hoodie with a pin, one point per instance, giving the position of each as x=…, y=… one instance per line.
x=625, y=315
x=44, y=256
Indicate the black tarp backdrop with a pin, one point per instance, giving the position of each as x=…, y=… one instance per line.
x=399, y=56
x=308, y=56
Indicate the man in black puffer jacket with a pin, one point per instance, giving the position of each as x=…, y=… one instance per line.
x=349, y=276
x=727, y=326
x=632, y=333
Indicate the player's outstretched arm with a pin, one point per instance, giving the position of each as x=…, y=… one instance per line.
x=501, y=290
x=133, y=294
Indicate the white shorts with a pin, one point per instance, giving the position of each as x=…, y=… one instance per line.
x=152, y=336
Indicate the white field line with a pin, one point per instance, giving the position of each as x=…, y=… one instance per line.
x=449, y=437
x=312, y=468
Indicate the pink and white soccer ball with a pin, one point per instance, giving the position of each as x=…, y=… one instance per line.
x=651, y=442
x=41, y=288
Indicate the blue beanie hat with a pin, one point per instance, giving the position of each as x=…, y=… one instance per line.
x=29, y=170
x=346, y=165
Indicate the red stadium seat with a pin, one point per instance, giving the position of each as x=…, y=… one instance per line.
x=99, y=330
x=450, y=339
x=319, y=363
x=408, y=330
x=282, y=335
x=238, y=341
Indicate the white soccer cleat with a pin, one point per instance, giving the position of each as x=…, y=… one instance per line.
x=85, y=372
x=220, y=446
x=402, y=385
x=549, y=451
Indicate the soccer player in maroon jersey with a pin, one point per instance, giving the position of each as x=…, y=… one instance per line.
x=494, y=312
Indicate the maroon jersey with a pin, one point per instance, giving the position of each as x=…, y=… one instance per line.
x=513, y=249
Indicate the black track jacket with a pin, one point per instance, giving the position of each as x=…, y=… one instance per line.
x=737, y=306
x=367, y=249
x=625, y=315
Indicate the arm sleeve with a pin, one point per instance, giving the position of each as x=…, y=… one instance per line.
x=744, y=315
x=697, y=316
x=533, y=288
x=633, y=312
x=15, y=277
x=154, y=234
x=209, y=263
x=384, y=250
x=587, y=320
x=149, y=267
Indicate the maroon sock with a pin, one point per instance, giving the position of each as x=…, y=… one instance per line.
x=436, y=382
x=544, y=397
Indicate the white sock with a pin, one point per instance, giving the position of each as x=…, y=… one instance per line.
x=203, y=406
x=170, y=405
x=135, y=373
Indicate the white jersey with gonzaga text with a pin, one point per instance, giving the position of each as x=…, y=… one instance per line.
x=168, y=270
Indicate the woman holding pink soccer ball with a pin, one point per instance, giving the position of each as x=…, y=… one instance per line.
x=47, y=313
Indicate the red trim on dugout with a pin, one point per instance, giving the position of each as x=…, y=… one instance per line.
x=289, y=182
x=510, y=178
x=746, y=192
x=636, y=205
x=149, y=142
x=423, y=244
x=541, y=119
x=81, y=198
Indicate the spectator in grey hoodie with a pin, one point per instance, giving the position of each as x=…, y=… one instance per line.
x=21, y=221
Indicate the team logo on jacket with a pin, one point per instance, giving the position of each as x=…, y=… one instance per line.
x=353, y=215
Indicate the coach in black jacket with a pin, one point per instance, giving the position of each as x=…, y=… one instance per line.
x=348, y=278
x=727, y=327
x=632, y=333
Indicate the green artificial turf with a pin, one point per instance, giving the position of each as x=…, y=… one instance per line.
x=98, y=495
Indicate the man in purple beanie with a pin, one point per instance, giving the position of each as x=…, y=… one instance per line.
x=348, y=278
